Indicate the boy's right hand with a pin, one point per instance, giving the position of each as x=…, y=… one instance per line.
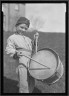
x=15, y=56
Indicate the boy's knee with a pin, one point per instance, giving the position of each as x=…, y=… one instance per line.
x=17, y=69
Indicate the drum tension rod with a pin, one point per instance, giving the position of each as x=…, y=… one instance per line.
x=36, y=61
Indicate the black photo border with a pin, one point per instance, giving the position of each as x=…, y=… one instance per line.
x=66, y=48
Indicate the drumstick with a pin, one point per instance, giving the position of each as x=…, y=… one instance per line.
x=35, y=61
x=37, y=68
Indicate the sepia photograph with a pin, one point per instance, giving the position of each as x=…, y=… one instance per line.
x=34, y=47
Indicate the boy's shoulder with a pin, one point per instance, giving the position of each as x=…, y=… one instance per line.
x=28, y=38
x=15, y=36
x=12, y=36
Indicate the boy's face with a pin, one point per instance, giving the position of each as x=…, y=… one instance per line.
x=22, y=27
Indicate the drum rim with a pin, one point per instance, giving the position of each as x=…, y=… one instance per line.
x=56, y=55
x=56, y=74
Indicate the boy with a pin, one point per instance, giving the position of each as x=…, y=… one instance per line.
x=19, y=42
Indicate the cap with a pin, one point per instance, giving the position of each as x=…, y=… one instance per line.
x=23, y=20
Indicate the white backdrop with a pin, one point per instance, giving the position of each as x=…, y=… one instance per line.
x=50, y=16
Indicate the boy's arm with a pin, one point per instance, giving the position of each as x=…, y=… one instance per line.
x=10, y=48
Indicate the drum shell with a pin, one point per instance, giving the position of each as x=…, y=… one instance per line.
x=57, y=75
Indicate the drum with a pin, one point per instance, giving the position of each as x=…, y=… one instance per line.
x=50, y=68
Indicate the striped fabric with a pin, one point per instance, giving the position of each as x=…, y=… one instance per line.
x=19, y=42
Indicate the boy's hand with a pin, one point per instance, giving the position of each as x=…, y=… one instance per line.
x=36, y=35
x=19, y=53
x=15, y=56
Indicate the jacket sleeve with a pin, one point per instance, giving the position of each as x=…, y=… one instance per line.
x=10, y=48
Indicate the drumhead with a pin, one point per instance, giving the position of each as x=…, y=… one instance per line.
x=46, y=57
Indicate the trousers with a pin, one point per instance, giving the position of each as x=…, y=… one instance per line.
x=26, y=81
x=23, y=83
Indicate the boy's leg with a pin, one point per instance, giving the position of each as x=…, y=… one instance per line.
x=31, y=82
x=23, y=84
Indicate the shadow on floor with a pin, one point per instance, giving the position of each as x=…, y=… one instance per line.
x=10, y=86
x=36, y=90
